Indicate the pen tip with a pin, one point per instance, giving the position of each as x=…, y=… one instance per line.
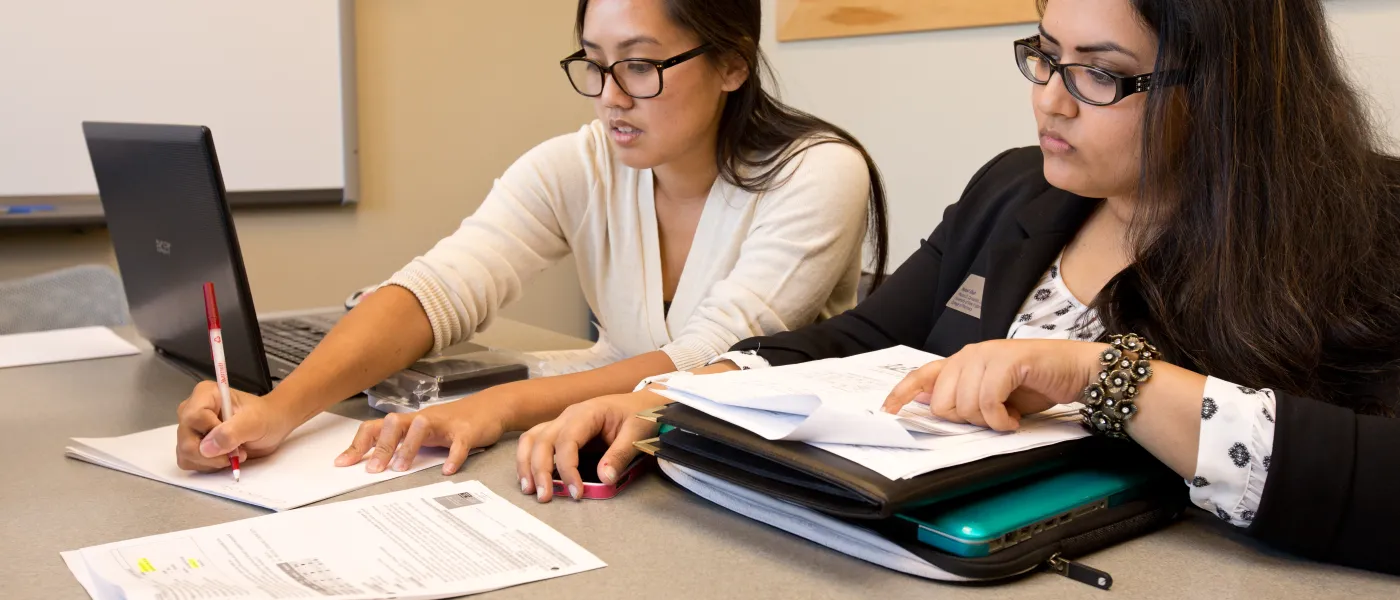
x=235, y=476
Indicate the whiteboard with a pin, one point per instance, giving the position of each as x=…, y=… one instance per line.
x=272, y=79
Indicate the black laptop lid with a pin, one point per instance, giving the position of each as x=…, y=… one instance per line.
x=163, y=197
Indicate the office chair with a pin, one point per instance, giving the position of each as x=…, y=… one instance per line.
x=78, y=296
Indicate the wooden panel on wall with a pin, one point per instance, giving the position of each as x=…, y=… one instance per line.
x=812, y=19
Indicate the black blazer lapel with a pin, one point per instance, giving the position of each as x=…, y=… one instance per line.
x=1044, y=226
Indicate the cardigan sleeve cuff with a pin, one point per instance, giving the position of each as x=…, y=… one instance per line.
x=689, y=354
x=436, y=302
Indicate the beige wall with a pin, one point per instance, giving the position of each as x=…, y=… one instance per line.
x=450, y=93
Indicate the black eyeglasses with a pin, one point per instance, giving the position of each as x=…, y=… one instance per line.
x=1086, y=83
x=639, y=77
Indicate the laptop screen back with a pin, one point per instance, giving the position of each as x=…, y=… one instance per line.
x=163, y=197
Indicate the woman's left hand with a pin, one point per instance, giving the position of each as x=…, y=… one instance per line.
x=994, y=383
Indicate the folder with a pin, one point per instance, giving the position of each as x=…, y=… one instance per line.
x=809, y=476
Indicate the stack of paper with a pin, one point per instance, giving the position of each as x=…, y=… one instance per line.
x=302, y=470
x=835, y=404
x=436, y=541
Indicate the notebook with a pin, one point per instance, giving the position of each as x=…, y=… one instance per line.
x=302, y=470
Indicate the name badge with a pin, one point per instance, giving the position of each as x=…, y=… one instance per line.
x=968, y=299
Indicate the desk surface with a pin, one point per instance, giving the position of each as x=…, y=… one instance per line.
x=658, y=540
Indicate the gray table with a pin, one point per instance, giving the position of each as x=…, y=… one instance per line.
x=658, y=540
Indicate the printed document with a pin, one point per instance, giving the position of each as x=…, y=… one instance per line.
x=436, y=541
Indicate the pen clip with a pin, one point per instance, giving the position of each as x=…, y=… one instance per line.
x=651, y=446
x=651, y=414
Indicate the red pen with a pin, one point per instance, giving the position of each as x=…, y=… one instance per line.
x=216, y=348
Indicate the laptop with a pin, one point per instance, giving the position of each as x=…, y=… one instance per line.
x=168, y=217
x=987, y=521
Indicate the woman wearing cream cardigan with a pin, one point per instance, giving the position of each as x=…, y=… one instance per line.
x=699, y=209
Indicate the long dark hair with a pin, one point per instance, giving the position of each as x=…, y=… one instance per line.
x=1266, y=239
x=757, y=131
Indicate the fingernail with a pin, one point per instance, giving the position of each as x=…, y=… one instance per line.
x=401, y=465
x=573, y=491
x=375, y=465
x=608, y=474
x=524, y=485
x=542, y=493
x=449, y=468
x=207, y=448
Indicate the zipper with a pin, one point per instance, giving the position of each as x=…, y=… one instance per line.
x=1079, y=572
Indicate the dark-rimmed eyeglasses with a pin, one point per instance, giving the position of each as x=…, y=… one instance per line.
x=1086, y=83
x=637, y=77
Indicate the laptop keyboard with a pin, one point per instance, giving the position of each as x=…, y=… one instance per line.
x=291, y=339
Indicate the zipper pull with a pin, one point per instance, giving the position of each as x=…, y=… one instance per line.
x=1080, y=572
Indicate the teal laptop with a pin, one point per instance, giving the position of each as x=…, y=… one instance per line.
x=991, y=520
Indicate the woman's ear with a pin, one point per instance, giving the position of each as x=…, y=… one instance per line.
x=733, y=71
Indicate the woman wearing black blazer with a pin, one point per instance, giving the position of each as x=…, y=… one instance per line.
x=1208, y=180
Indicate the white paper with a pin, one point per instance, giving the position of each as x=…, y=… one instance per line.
x=947, y=451
x=924, y=453
x=834, y=401
x=62, y=345
x=75, y=565
x=302, y=470
x=436, y=541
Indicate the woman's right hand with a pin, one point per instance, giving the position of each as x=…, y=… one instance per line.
x=203, y=440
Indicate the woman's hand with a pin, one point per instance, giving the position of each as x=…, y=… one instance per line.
x=556, y=443
x=203, y=440
x=994, y=383
x=474, y=422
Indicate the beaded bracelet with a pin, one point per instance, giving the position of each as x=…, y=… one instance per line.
x=1108, y=402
